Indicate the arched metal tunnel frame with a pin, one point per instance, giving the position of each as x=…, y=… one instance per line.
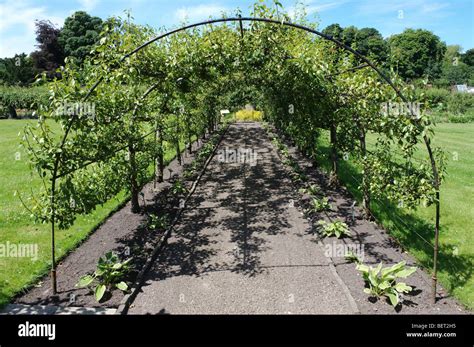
x=240, y=20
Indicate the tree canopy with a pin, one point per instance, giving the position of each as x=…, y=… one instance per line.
x=79, y=34
x=182, y=82
x=50, y=55
x=19, y=70
x=416, y=54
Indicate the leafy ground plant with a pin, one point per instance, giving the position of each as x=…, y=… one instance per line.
x=338, y=229
x=108, y=275
x=319, y=205
x=156, y=222
x=312, y=190
x=383, y=281
x=352, y=258
x=178, y=188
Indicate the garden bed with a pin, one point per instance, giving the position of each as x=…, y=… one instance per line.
x=124, y=233
x=378, y=247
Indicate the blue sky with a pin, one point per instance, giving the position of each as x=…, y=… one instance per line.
x=451, y=20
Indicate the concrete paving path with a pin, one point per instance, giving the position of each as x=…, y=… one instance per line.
x=242, y=247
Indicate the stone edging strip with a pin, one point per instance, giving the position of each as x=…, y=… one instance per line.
x=346, y=290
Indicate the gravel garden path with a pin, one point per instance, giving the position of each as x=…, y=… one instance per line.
x=241, y=247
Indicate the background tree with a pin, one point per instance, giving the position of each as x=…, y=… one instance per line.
x=416, y=53
x=371, y=43
x=468, y=57
x=454, y=70
x=18, y=70
x=349, y=35
x=80, y=32
x=50, y=54
x=367, y=41
x=335, y=30
x=452, y=54
x=459, y=73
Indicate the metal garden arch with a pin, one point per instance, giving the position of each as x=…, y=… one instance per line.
x=436, y=180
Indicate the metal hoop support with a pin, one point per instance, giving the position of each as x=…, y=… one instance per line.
x=240, y=20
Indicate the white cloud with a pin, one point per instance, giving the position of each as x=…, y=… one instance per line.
x=17, y=26
x=199, y=12
x=88, y=5
x=435, y=7
x=315, y=6
x=318, y=6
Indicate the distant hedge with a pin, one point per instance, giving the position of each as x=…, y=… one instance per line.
x=16, y=98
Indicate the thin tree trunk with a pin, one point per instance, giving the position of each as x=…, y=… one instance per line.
x=133, y=180
x=333, y=179
x=365, y=185
x=160, y=159
x=178, y=149
x=190, y=143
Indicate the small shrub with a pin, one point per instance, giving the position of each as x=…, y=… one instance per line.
x=460, y=103
x=178, y=188
x=383, y=281
x=338, y=229
x=158, y=222
x=320, y=205
x=437, y=97
x=312, y=190
x=109, y=274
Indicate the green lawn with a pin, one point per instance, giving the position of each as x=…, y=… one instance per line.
x=457, y=200
x=16, y=226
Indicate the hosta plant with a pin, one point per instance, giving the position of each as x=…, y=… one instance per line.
x=285, y=152
x=178, y=188
x=158, y=222
x=319, y=205
x=337, y=228
x=108, y=275
x=383, y=281
x=312, y=190
x=190, y=171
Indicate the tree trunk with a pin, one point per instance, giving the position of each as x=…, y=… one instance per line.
x=190, y=143
x=133, y=180
x=210, y=125
x=365, y=186
x=178, y=151
x=160, y=159
x=333, y=178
